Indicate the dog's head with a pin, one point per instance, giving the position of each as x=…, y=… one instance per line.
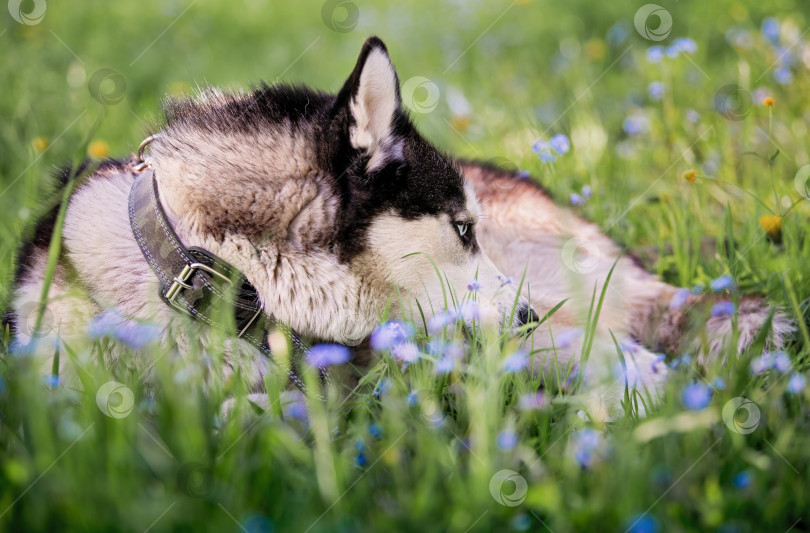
x=334, y=207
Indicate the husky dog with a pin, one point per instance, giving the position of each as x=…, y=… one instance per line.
x=332, y=210
x=332, y=207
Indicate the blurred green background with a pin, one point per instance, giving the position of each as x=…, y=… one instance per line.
x=498, y=76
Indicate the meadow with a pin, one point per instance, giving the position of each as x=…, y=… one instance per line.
x=687, y=126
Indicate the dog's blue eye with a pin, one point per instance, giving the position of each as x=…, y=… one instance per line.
x=462, y=227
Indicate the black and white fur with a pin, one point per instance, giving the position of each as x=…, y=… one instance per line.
x=332, y=206
x=335, y=209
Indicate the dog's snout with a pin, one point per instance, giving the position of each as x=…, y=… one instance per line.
x=526, y=314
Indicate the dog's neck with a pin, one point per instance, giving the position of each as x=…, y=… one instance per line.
x=274, y=221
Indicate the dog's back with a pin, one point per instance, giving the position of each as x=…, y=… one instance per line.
x=565, y=256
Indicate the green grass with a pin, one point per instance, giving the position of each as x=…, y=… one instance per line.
x=422, y=455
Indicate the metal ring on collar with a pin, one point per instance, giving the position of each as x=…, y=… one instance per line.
x=141, y=163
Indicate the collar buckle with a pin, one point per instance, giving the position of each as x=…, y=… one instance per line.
x=181, y=280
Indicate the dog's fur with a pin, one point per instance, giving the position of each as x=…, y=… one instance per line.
x=335, y=208
x=565, y=256
x=332, y=206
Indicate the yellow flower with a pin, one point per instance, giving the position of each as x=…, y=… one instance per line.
x=391, y=457
x=690, y=175
x=772, y=224
x=768, y=101
x=595, y=49
x=98, y=149
x=30, y=31
x=460, y=123
x=40, y=144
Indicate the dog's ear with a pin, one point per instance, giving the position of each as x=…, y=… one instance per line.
x=371, y=96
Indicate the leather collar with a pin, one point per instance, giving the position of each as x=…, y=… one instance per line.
x=195, y=281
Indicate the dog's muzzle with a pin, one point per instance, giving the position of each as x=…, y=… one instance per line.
x=526, y=315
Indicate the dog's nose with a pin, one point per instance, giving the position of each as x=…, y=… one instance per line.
x=526, y=314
